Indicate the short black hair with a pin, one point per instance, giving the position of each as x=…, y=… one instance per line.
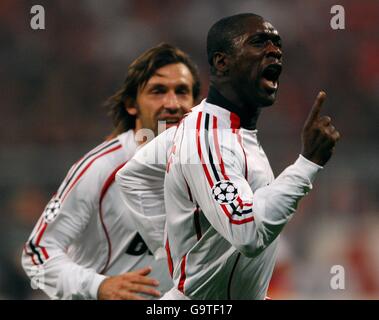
x=223, y=32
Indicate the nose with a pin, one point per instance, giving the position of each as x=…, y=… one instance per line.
x=171, y=102
x=273, y=51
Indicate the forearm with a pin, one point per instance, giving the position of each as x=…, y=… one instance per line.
x=60, y=278
x=275, y=204
x=258, y=218
x=141, y=186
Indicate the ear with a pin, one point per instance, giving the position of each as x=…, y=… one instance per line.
x=131, y=108
x=221, y=62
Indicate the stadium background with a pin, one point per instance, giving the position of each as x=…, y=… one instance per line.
x=53, y=83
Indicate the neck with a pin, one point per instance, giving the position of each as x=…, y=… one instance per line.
x=248, y=115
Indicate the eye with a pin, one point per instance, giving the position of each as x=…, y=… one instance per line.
x=262, y=41
x=182, y=91
x=257, y=42
x=278, y=43
x=157, y=90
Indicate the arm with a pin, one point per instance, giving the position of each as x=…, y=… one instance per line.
x=45, y=258
x=141, y=182
x=251, y=222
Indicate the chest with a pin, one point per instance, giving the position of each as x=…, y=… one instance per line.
x=113, y=214
x=257, y=166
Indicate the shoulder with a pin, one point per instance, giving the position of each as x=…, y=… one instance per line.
x=211, y=117
x=210, y=135
x=87, y=176
x=101, y=159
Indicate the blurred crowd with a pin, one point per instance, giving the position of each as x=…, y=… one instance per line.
x=53, y=83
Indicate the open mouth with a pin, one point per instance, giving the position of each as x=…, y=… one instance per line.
x=270, y=77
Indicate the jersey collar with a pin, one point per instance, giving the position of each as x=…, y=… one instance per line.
x=216, y=98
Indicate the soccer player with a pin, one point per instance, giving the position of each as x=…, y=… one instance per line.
x=85, y=245
x=224, y=208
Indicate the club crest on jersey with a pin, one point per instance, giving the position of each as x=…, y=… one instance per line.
x=224, y=192
x=52, y=210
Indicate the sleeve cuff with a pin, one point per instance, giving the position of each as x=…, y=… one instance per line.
x=97, y=280
x=307, y=167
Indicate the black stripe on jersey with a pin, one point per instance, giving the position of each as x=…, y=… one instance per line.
x=196, y=220
x=239, y=213
x=189, y=190
x=207, y=147
x=231, y=276
x=34, y=250
x=111, y=143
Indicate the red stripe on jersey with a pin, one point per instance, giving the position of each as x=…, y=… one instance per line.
x=169, y=258
x=43, y=225
x=31, y=255
x=234, y=121
x=30, y=242
x=44, y=251
x=40, y=224
x=72, y=169
x=39, y=240
x=182, y=275
x=41, y=233
x=104, y=190
x=218, y=152
x=231, y=218
x=222, y=166
x=226, y=211
x=77, y=166
x=86, y=168
x=199, y=150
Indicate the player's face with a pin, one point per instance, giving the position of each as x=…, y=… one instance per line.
x=257, y=63
x=166, y=96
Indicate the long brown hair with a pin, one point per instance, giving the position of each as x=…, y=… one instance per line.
x=139, y=72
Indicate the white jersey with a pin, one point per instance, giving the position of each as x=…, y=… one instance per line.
x=224, y=209
x=141, y=183
x=86, y=233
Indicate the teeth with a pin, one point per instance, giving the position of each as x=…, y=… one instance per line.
x=270, y=85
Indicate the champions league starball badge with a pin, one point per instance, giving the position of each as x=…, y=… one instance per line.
x=52, y=210
x=224, y=192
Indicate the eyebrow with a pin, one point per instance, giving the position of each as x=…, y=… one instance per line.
x=161, y=85
x=160, y=75
x=267, y=35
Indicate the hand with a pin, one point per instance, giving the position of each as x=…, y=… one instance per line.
x=127, y=285
x=319, y=136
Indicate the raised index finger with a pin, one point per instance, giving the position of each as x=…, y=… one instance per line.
x=316, y=108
